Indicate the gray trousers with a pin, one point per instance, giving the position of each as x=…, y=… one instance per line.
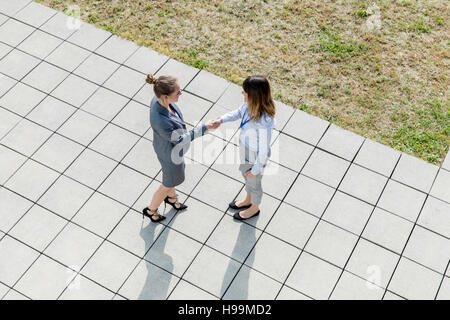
x=252, y=185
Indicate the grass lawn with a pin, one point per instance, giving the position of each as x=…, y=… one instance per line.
x=381, y=71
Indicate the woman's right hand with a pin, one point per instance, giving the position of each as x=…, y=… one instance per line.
x=213, y=124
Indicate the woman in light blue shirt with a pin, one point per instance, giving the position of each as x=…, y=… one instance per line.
x=257, y=116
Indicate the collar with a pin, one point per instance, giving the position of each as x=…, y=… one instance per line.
x=164, y=111
x=160, y=108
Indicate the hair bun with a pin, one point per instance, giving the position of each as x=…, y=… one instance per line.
x=151, y=79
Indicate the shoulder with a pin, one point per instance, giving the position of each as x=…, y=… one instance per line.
x=160, y=122
x=243, y=108
x=176, y=107
x=154, y=101
x=267, y=121
x=154, y=114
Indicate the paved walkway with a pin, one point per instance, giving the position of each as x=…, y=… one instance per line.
x=343, y=216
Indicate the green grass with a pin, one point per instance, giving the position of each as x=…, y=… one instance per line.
x=333, y=43
x=388, y=80
x=415, y=140
x=192, y=57
x=421, y=26
x=361, y=12
x=423, y=138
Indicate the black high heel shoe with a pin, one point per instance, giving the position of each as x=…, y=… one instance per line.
x=173, y=204
x=155, y=213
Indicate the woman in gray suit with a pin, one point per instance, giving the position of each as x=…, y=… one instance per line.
x=170, y=141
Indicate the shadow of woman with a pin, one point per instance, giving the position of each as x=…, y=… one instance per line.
x=240, y=291
x=156, y=285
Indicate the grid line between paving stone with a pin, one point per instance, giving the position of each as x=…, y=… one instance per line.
x=101, y=85
x=18, y=10
x=340, y=157
x=52, y=183
x=237, y=272
x=67, y=40
x=92, y=52
x=409, y=236
x=69, y=221
x=373, y=243
x=130, y=208
x=204, y=244
x=367, y=222
x=206, y=240
x=253, y=247
x=105, y=179
x=212, y=168
x=63, y=81
x=46, y=93
x=211, y=108
x=24, y=117
x=442, y=281
x=35, y=203
x=346, y=193
x=215, y=249
x=320, y=218
x=166, y=226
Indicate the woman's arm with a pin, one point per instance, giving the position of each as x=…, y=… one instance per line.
x=166, y=131
x=264, y=138
x=234, y=115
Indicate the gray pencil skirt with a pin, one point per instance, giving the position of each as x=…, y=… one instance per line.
x=172, y=174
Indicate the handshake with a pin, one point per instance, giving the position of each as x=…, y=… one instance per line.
x=213, y=124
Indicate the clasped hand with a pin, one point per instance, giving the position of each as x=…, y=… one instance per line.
x=213, y=124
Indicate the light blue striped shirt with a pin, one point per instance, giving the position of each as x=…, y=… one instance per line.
x=256, y=135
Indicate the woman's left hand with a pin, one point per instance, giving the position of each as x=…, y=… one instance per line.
x=213, y=124
x=249, y=174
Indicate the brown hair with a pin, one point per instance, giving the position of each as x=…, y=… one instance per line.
x=260, y=99
x=164, y=85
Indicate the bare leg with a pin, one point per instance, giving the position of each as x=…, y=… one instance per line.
x=249, y=212
x=245, y=202
x=172, y=197
x=158, y=197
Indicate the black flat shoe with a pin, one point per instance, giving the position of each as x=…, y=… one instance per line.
x=145, y=212
x=233, y=205
x=173, y=204
x=237, y=216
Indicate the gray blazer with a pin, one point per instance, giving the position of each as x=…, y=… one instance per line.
x=170, y=131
